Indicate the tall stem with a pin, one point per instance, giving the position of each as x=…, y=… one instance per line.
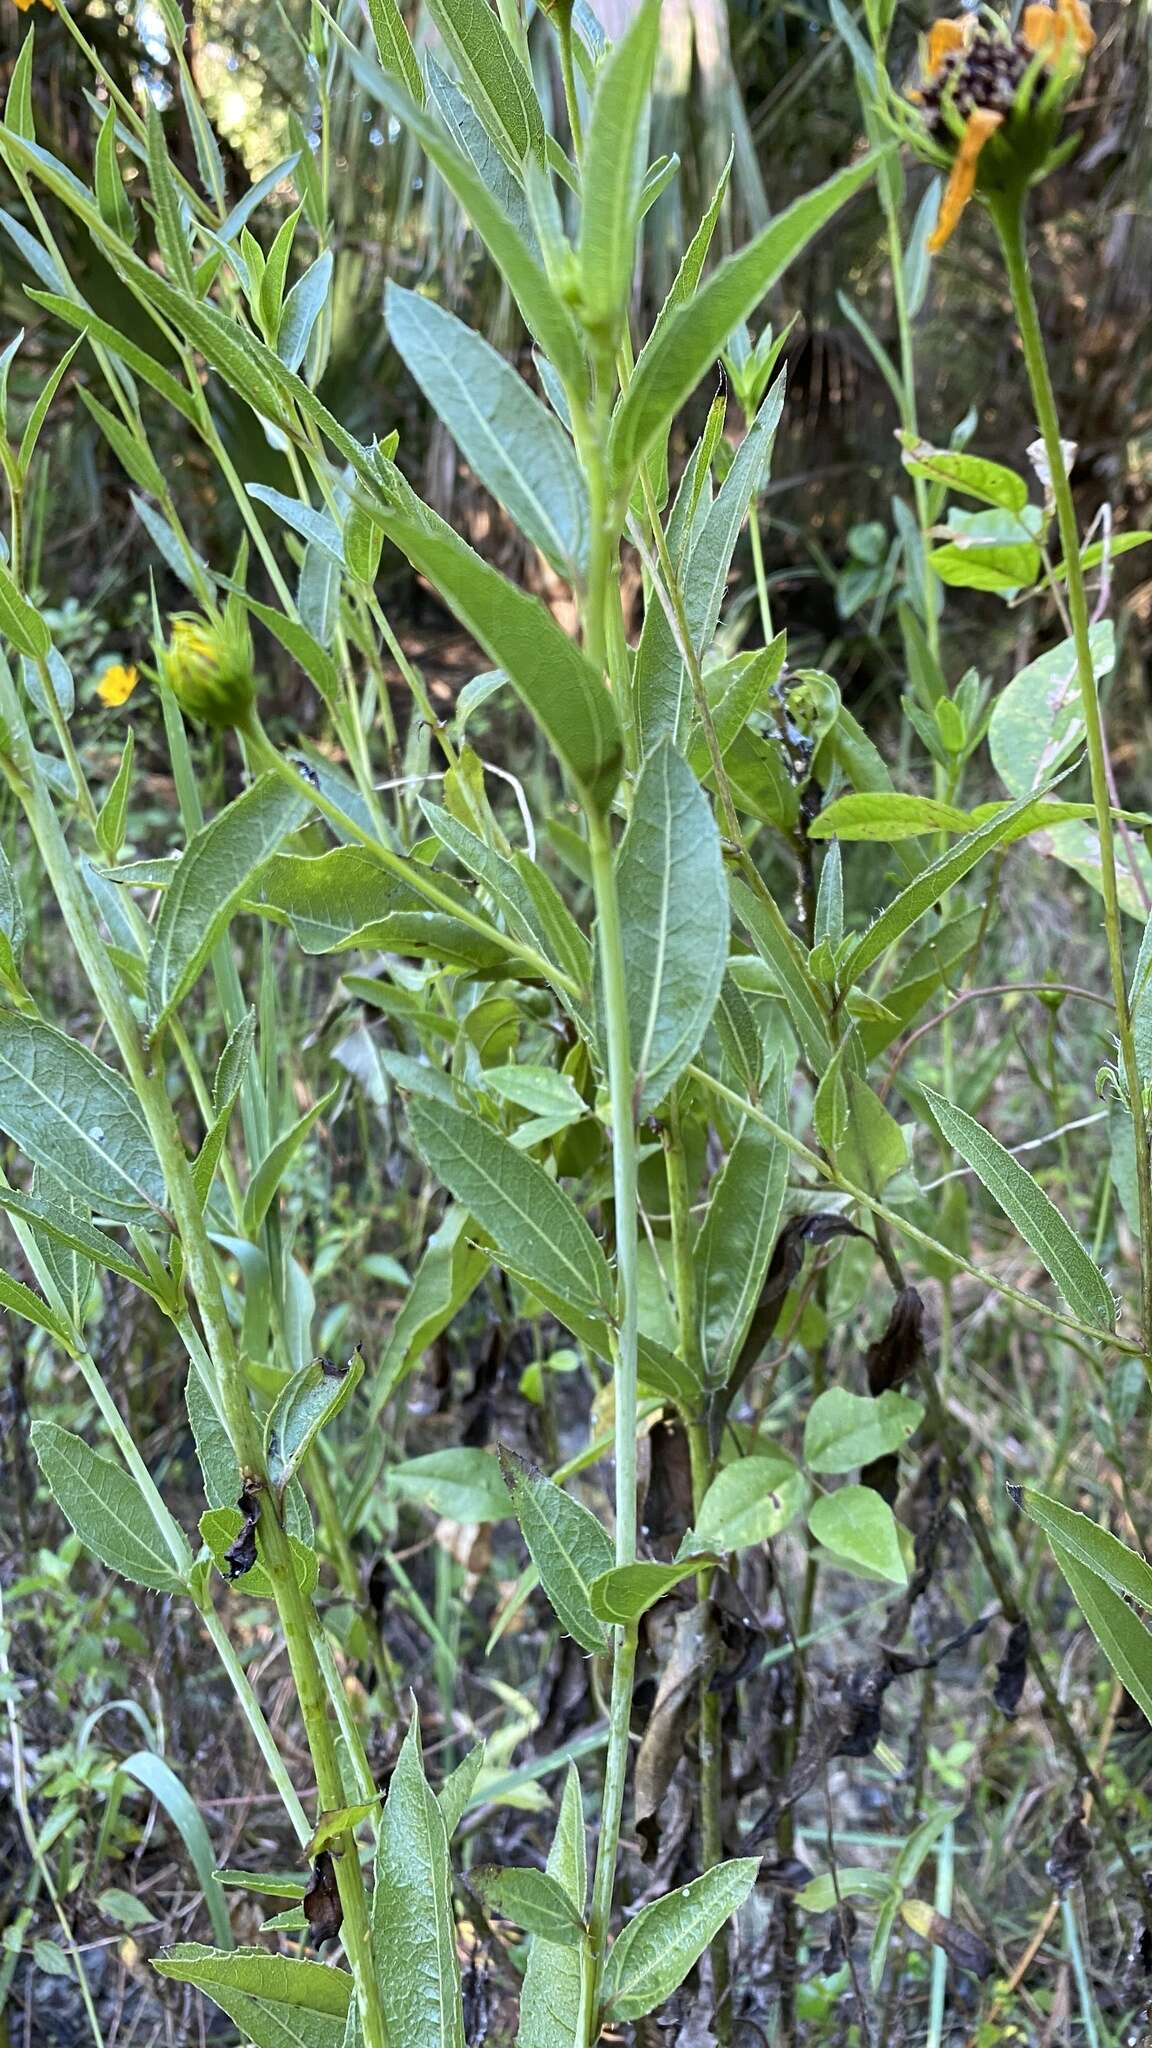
x=296, y=1614
x=711, y=1751
x=599, y=642
x=1008, y=213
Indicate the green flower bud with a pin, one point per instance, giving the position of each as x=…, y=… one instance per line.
x=207, y=665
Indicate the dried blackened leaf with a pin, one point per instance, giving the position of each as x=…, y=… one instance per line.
x=787, y=1873
x=900, y=1349
x=967, y=1950
x=1071, y=1850
x=322, y=1908
x=1012, y=1669
x=783, y=1269
x=841, y=1935
x=240, y=1555
x=667, y=1510
x=690, y=1659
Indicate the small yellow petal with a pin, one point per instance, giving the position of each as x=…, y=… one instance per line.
x=944, y=37
x=116, y=684
x=979, y=126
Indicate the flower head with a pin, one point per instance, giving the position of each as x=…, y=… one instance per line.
x=991, y=102
x=117, y=684
x=207, y=665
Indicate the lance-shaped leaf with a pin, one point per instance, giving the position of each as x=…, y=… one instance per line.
x=211, y=881
x=106, y=1508
x=568, y=1547
x=653, y=1955
x=615, y=161
x=276, y=2001
x=516, y=446
x=414, y=1933
x=266, y=1180
x=1024, y=1202
x=536, y=1226
x=735, y=1243
x=550, y=2000
x=674, y=913
x=531, y=1899
x=76, y=1118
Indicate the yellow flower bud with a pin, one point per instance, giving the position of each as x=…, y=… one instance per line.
x=207, y=665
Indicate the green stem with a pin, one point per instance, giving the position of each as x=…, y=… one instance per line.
x=1008, y=212
x=711, y=1750
x=296, y=1615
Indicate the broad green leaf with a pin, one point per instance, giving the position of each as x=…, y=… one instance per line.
x=394, y=45
x=974, y=475
x=615, y=161
x=844, y=1430
x=1037, y=720
x=449, y=1272
x=568, y=1547
x=158, y=1778
x=749, y=1501
x=493, y=76
x=674, y=913
x=414, y=1932
x=553, y=679
x=977, y=564
x=545, y=314
x=550, y=1999
x=514, y=444
x=105, y=1507
x=1125, y=1570
x=531, y=1899
x=1120, y=1633
x=622, y=1595
x=653, y=1955
x=302, y=308
x=924, y=893
x=111, y=197
x=277, y=2001
x=267, y=1179
x=77, y=1119
x=860, y=1528
x=214, y=877
x=12, y=926
x=539, y=1090
x=463, y=1485
x=735, y=1243
x=886, y=816
x=536, y=1226
x=822, y=1893
x=675, y=358
x=313, y=1397
x=1038, y=1221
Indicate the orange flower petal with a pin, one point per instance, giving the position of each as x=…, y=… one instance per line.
x=1050, y=30
x=943, y=37
x=979, y=127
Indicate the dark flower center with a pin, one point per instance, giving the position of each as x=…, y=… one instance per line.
x=984, y=76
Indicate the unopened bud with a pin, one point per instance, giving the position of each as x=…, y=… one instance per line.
x=207, y=665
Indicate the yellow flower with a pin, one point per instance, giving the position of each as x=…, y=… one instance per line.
x=118, y=681
x=982, y=85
